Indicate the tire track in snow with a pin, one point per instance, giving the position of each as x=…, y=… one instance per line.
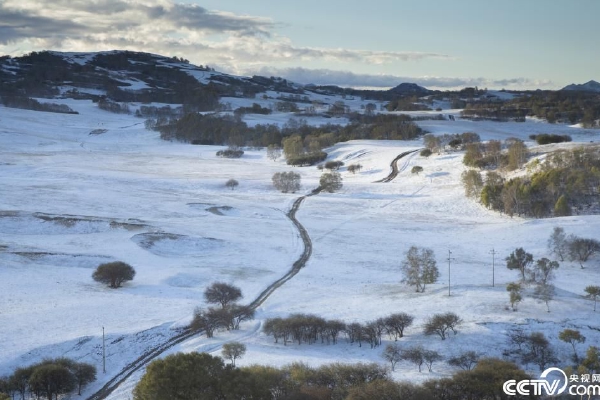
x=394, y=165
x=187, y=333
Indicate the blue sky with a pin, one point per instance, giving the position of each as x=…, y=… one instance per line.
x=439, y=44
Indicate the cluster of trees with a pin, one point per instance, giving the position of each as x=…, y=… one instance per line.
x=561, y=106
x=112, y=106
x=308, y=328
x=493, y=111
x=50, y=378
x=410, y=103
x=28, y=103
x=489, y=155
x=454, y=141
x=541, y=272
x=303, y=328
x=216, y=130
x=228, y=316
x=231, y=152
x=572, y=247
x=254, y=109
x=565, y=181
x=114, y=274
x=417, y=355
x=200, y=376
x=307, y=151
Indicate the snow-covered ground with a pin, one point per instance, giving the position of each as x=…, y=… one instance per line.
x=71, y=200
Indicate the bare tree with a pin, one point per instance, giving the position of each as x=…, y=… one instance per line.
x=274, y=152
x=414, y=355
x=581, y=249
x=431, y=356
x=558, y=243
x=465, y=360
x=395, y=324
x=222, y=293
x=440, y=324
x=545, y=292
x=393, y=354
x=537, y=350
x=233, y=351
x=419, y=268
x=205, y=320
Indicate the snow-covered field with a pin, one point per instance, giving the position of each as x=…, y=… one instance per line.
x=70, y=200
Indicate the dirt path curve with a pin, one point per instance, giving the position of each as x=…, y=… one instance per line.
x=394, y=166
x=186, y=333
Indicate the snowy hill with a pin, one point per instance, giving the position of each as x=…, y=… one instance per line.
x=80, y=189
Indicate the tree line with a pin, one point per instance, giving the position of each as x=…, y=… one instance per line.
x=50, y=378
x=200, y=376
x=225, y=129
x=310, y=329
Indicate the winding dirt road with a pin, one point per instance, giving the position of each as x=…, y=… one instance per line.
x=394, y=165
x=187, y=333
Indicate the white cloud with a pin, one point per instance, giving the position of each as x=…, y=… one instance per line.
x=165, y=27
x=350, y=79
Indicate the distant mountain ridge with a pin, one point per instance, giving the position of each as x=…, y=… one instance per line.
x=591, y=86
x=127, y=76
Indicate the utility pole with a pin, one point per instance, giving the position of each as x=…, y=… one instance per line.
x=103, y=353
x=493, y=253
x=449, y=259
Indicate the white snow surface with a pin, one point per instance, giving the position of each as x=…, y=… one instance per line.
x=70, y=200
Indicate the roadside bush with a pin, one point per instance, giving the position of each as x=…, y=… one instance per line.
x=425, y=153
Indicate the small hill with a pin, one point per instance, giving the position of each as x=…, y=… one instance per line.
x=591, y=86
x=407, y=88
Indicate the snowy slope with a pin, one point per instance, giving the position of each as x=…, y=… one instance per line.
x=71, y=200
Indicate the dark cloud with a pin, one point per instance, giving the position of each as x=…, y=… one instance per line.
x=196, y=17
x=15, y=25
x=350, y=79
